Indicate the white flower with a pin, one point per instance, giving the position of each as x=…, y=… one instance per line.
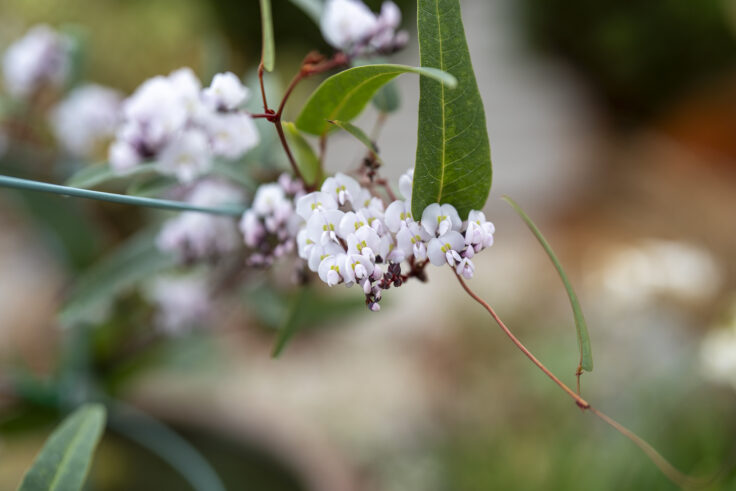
x=317, y=201
x=397, y=214
x=440, y=219
x=317, y=253
x=364, y=241
x=465, y=268
x=406, y=182
x=86, y=119
x=225, y=92
x=346, y=23
x=322, y=227
x=446, y=249
x=387, y=23
x=479, y=232
x=153, y=114
x=231, y=134
x=182, y=301
x=358, y=269
x=39, y=58
x=185, y=84
x=342, y=188
x=412, y=241
x=187, y=156
x=351, y=222
x=268, y=198
x=252, y=229
x=331, y=269
x=123, y=156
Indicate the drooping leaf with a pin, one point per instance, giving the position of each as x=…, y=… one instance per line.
x=344, y=95
x=359, y=135
x=268, y=53
x=167, y=445
x=92, y=176
x=134, y=261
x=306, y=159
x=313, y=8
x=453, y=163
x=66, y=456
x=586, y=352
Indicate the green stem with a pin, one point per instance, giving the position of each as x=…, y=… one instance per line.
x=28, y=185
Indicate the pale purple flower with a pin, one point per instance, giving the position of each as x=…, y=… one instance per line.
x=446, y=249
x=440, y=219
x=226, y=92
x=342, y=188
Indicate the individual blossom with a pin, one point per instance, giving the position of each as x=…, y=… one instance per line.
x=182, y=301
x=187, y=156
x=200, y=236
x=479, y=232
x=439, y=219
x=342, y=188
x=225, y=93
x=231, y=134
x=86, y=119
x=315, y=201
x=446, y=249
x=40, y=58
x=412, y=241
x=350, y=26
x=406, y=182
x=398, y=214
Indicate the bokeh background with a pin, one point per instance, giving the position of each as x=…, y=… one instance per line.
x=612, y=122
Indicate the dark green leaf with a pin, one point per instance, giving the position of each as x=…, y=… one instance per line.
x=66, y=456
x=453, y=163
x=343, y=96
x=359, y=135
x=586, y=353
x=134, y=261
x=268, y=53
x=307, y=160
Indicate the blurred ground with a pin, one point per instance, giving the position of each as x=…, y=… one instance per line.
x=428, y=394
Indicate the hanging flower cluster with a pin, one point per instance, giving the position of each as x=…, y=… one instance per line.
x=348, y=237
x=350, y=26
x=40, y=58
x=173, y=121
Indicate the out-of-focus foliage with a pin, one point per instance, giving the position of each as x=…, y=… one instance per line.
x=639, y=56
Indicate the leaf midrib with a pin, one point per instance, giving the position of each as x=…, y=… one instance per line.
x=67, y=453
x=442, y=98
x=349, y=95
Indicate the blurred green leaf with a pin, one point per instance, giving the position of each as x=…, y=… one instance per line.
x=167, y=444
x=151, y=186
x=268, y=53
x=307, y=160
x=291, y=323
x=359, y=135
x=343, y=96
x=387, y=99
x=135, y=260
x=313, y=8
x=453, y=163
x=586, y=352
x=66, y=456
x=93, y=175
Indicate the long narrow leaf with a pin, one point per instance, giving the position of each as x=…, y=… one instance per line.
x=586, y=353
x=94, y=175
x=359, y=135
x=268, y=53
x=66, y=456
x=307, y=160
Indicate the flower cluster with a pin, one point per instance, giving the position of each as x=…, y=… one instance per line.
x=86, y=120
x=40, y=58
x=270, y=225
x=201, y=236
x=173, y=121
x=350, y=26
x=348, y=237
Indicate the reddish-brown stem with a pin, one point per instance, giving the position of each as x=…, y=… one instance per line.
x=263, y=87
x=582, y=403
x=674, y=475
x=292, y=161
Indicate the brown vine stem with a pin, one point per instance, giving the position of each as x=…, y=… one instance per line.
x=670, y=472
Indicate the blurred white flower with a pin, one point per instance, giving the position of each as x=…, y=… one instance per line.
x=187, y=156
x=231, y=134
x=182, y=302
x=350, y=26
x=225, y=92
x=39, y=58
x=86, y=119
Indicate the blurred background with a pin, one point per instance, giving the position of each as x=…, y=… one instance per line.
x=613, y=123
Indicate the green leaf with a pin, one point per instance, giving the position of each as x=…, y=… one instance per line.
x=94, y=291
x=313, y=8
x=306, y=159
x=343, y=96
x=151, y=186
x=359, y=135
x=292, y=322
x=268, y=53
x=93, y=175
x=453, y=163
x=586, y=353
x=66, y=456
